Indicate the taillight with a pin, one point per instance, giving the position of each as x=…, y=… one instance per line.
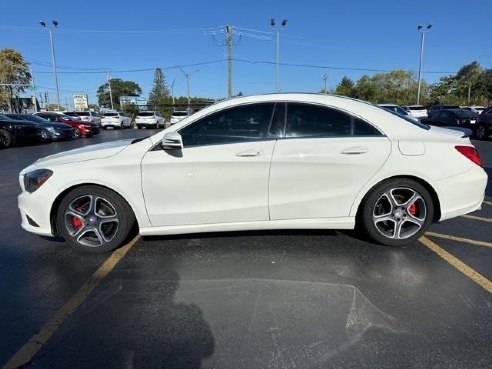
x=471, y=153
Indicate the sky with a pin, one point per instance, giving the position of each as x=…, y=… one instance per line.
x=332, y=38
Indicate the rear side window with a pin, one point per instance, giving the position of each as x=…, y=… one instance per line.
x=305, y=120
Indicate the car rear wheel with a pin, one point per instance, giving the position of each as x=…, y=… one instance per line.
x=482, y=133
x=76, y=133
x=95, y=219
x=5, y=139
x=396, y=212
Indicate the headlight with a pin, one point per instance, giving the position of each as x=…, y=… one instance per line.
x=51, y=129
x=35, y=179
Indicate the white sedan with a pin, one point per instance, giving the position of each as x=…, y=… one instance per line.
x=280, y=161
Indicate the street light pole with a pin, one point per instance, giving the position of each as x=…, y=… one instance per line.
x=325, y=77
x=110, y=91
x=278, y=29
x=53, y=58
x=422, y=30
x=187, y=76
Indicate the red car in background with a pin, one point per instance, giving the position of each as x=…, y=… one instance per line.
x=82, y=128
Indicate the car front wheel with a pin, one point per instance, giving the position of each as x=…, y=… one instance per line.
x=396, y=212
x=5, y=138
x=95, y=219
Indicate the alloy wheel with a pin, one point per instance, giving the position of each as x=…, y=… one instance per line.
x=399, y=213
x=92, y=220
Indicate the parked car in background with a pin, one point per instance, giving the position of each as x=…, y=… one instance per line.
x=177, y=116
x=13, y=132
x=453, y=118
x=474, y=108
x=89, y=116
x=435, y=108
x=484, y=124
x=86, y=129
x=73, y=115
x=398, y=110
x=417, y=111
x=115, y=120
x=50, y=131
x=272, y=149
x=149, y=119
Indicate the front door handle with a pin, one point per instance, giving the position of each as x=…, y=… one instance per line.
x=249, y=153
x=355, y=150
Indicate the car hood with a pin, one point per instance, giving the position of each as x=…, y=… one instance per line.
x=99, y=151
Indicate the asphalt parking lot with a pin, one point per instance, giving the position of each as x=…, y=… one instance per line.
x=290, y=299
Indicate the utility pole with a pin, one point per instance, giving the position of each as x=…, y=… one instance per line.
x=229, y=60
x=109, y=86
x=33, y=88
x=53, y=59
x=325, y=78
x=187, y=76
x=469, y=93
x=172, y=91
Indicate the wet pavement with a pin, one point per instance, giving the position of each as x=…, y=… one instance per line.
x=280, y=299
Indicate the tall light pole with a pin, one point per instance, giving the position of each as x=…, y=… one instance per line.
x=278, y=29
x=53, y=59
x=325, y=78
x=422, y=30
x=108, y=77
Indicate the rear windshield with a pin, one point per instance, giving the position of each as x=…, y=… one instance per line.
x=83, y=113
x=146, y=114
x=180, y=114
x=71, y=113
x=416, y=108
x=110, y=114
x=409, y=120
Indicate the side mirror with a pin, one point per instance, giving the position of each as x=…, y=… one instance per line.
x=172, y=141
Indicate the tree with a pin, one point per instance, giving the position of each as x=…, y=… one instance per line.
x=159, y=90
x=131, y=109
x=484, y=86
x=54, y=107
x=118, y=88
x=467, y=78
x=14, y=73
x=93, y=107
x=345, y=87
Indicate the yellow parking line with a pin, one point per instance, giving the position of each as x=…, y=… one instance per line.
x=474, y=217
x=487, y=202
x=34, y=344
x=459, y=239
x=458, y=264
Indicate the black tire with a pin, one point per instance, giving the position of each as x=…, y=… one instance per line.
x=411, y=222
x=139, y=126
x=45, y=136
x=6, y=139
x=481, y=133
x=80, y=220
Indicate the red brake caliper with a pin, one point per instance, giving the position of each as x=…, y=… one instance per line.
x=76, y=222
x=412, y=209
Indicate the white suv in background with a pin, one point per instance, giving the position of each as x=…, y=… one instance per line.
x=89, y=116
x=149, y=119
x=177, y=116
x=115, y=120
x=417, y=111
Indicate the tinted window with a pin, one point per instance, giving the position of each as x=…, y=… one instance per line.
x=304, y=120
x=110, y=114
x=83, y=114
x=238, y=124
x=146, y=114
x=179, y=114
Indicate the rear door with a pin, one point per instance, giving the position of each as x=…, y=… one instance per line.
x=323, y=162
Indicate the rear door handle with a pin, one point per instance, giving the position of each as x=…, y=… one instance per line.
x=249, y=153
x=355, y=150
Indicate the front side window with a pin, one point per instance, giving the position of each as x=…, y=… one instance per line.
x=305, y=120
x=233, y=125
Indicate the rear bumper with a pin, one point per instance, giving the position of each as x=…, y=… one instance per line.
x=461, y=194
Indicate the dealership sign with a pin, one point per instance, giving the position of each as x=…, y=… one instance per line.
x=80, y=102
